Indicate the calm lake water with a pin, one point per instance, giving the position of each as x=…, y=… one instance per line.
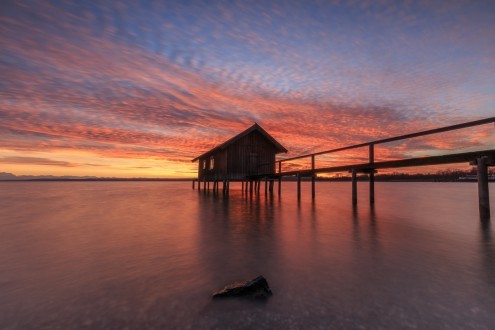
x=149, y=254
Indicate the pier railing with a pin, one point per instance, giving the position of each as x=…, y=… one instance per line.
x=371, y=144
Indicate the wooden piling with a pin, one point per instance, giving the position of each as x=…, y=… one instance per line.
x=193, y=184
x=266, y=186
x=372, y=187
x=313, y=186
x=251, y=187
x=298, y=186
x=271, y=187
x=204, y=184
x=483, y=195
x=354, y=187
x=313, y=178
x=279, y=185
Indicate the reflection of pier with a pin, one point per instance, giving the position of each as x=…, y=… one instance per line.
x=482, y=159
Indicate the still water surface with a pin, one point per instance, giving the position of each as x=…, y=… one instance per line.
x=149, y=254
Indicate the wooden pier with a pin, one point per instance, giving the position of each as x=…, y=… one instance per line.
x=481, y=159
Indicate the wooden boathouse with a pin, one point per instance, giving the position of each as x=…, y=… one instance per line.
x=249, y=153
x=249, y=157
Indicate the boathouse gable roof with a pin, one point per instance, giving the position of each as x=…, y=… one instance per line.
x=239, y=136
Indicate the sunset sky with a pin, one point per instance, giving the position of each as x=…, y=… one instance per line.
x=139, y=88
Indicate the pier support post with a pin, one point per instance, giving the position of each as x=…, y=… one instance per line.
x=354, y=187
x=193, y=183
x=313, y=178
x=279, y=185
x=259, y=185
x=251, y=187
x=372, y=187
x=313, y=186
x=204, y=184
x=483, y=195
x=271, y=187
x=298, y=187
x=266, y=186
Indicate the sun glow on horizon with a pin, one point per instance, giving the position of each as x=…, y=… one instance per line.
x=96, y=89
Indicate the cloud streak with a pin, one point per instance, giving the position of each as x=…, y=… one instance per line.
x=143, y=81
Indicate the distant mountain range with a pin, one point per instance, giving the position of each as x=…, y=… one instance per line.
x=5, y=176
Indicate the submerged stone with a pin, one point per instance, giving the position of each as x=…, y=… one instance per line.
x=255, y=288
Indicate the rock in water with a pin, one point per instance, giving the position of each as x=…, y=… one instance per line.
x=256, y=288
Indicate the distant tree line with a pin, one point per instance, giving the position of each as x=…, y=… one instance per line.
x=442, y=175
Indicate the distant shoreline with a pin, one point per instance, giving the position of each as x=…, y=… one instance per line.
x=96, y=179
x=189, y=180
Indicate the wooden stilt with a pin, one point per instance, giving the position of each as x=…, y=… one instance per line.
x=193, y=183
x=313, y=178
x=204, y=184
x=372, y=187
x=354, y=187
x=242, y=186
x=279, y=185
x=483, y=195
x=271, y=187
x=251, y=187
x=313, y=186
x=298, y=187
x=266, y=186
